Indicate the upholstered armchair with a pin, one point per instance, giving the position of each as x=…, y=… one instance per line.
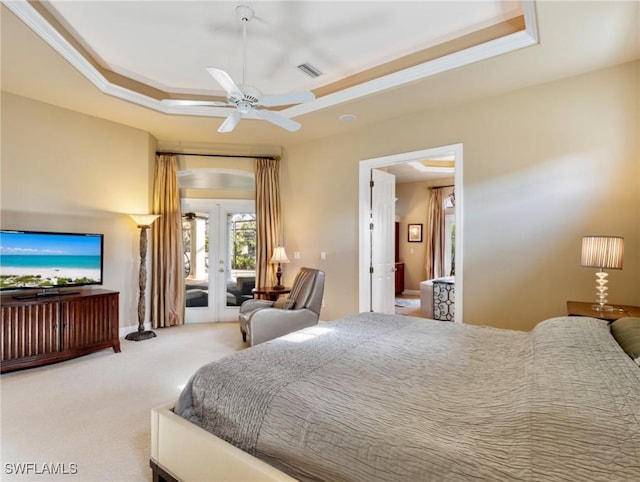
x=240, y=291
x=262, y=320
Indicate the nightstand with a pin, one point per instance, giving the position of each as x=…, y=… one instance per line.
x=581, y=308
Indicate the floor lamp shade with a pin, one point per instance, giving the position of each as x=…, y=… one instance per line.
x=144, y=221
x=602, y=252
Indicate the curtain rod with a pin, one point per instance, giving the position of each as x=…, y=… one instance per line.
x=442, y=187
x=218, y=155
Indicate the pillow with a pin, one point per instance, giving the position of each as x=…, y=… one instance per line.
x=626, y=331
x=283, y=303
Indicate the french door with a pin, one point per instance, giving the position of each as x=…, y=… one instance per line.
x=219, y=238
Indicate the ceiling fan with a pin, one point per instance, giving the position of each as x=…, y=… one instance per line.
x=244, y=98
x=194, y=216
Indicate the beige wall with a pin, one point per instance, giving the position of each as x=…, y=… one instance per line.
x=411, y=207
x=64, y=171
x=542, y=167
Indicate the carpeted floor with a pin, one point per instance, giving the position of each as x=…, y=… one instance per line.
x=90, y=417
x=94, y=411
x=409, y=306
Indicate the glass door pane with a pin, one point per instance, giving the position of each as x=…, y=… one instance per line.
x=240, y=263
x=195, y=231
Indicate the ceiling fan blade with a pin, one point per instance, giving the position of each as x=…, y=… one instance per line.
x=277, y=119
x=230, y=122
x=188, y=103
x=226, y=82
x=287, y=99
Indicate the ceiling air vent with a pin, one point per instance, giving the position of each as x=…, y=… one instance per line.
x=310, y=70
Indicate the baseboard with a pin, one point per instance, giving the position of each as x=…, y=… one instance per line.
x=411, y=292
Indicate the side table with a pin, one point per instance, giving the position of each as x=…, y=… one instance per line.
x=444, y=297
x=269, y=292
x=581, y=308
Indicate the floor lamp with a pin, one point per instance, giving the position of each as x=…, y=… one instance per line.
x=144, y=221
x=602, y=252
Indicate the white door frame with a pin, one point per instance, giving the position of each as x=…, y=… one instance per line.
x=364, y=251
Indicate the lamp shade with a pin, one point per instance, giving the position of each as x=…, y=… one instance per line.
x=144, y=219
x=279, y=255
x=602, y=252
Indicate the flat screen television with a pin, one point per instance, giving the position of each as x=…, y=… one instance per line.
x=49, y=261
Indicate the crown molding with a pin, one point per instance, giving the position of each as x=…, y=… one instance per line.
x=24, y=10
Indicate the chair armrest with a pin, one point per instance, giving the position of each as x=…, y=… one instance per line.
x=271, y=323
x=251, y=305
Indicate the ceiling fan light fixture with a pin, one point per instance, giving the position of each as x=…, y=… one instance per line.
x=244, y=107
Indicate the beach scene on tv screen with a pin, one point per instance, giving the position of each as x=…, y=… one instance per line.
x=30, y=260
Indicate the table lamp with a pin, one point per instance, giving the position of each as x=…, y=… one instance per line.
x=602, y=252
x=279, y=256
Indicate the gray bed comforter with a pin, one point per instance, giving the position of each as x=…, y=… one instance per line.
x=390, y=398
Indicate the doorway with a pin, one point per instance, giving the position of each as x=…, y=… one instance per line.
x=367, y=241
x=219, y=238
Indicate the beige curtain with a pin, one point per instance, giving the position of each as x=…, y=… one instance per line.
x=268, y=218
x=167, y=289
x=434, y=251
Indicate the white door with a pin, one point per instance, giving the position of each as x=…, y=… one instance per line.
x=383, y=211
x=219, y=241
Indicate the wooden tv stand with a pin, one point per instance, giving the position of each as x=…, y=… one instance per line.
x=47, y=329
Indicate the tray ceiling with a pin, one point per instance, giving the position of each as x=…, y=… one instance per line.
x=116, y=60
x=147, y=51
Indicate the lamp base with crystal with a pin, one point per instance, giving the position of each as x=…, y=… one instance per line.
x=601, y=291
x=140, y=335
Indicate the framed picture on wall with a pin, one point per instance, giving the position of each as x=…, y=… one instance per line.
x=415, y=233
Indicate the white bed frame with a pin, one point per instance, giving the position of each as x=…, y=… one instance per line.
x=182, y=451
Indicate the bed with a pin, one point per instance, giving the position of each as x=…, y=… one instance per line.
x=376, y=397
